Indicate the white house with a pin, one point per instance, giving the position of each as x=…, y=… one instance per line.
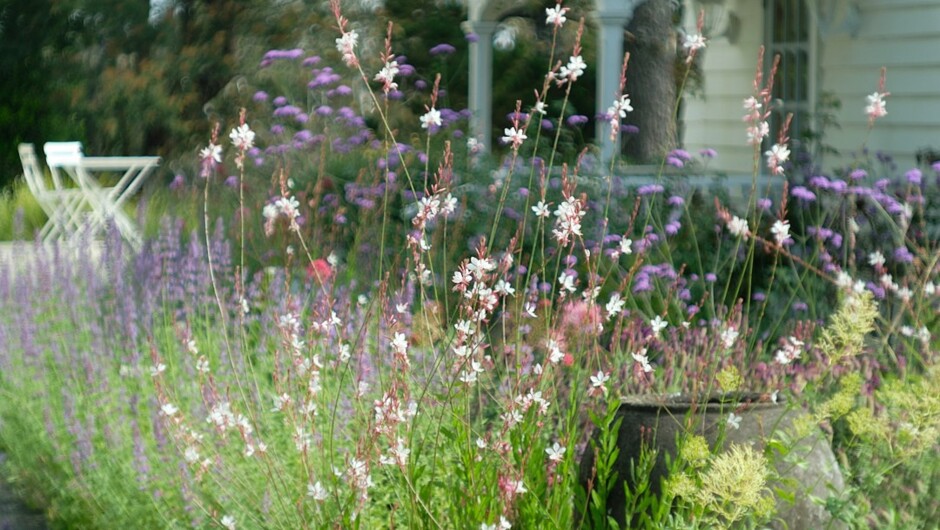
x=828, y=48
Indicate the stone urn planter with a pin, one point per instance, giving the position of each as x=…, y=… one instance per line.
x=658, y=420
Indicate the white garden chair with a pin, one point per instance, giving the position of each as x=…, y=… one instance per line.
x=65, y=207
x=107, y=201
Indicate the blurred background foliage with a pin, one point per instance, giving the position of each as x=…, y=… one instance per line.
x=152, y=77
x=128, y=77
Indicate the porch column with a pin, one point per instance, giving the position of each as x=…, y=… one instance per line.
x=481, y=82
x=609, y=62
x=612, y=18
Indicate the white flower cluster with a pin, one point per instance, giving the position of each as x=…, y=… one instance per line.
x=347, y=46
x=568, y=220
x=617, y=112
x=286, y=207
x=789, y=351
x=758, y=128
x=387, y=76
x=555, y=16
x=571, y=71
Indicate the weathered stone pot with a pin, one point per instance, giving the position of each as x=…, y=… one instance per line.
x=658, y=420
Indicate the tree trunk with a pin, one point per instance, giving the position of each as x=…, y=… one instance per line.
x=651, y=82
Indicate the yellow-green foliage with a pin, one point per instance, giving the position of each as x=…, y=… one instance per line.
x=735, y=484
x=724, y=488
x=845, y=334
x=695, y=451
x=729, y=379
x=843, y=401
x=913, y=406
x=12, y=200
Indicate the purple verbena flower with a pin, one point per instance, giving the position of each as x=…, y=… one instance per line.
x=442, y=49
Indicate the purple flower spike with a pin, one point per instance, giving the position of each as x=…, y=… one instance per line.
x=178, y=181
x=280, y=101
x=260, y=96
x=858, y=174
x=914, y=176
x=472, y=37
x=711, y=277
x=629, y=129
x=442, y=49
x=764, y=203
x=675, y=200
x=675, y=162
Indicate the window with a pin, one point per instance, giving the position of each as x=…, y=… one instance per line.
x=790, y=32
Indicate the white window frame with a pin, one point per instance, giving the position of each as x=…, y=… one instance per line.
x=782, y=103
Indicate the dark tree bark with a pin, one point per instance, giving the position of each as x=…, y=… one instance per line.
x=651, y=81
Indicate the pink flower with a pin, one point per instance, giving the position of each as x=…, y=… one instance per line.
x=320, y=270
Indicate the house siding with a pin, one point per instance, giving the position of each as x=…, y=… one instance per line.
x=902, y=36
x=713, y=119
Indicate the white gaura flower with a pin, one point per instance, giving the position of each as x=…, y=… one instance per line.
x=316, y=491
x=541, y=209
x=347, y=46
x=599, y=383
x=876, y=106
x=694, y=42
x=243, y=138
x=734, y=421
x=431, y=117
x=776, y=157
x=876, y=259
x=781, y=231
x=614, y=305
x=729, y=336
x=573, y=70
x=228, y=522
x=514, y=137
x=387, y=76
x=555, y=16
x=169, y=410
x=556, y=453
x=626, y=246
x=642, y=359
x=658, y=324
x=211, y=153
x=738, y=227
x=620, y=107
